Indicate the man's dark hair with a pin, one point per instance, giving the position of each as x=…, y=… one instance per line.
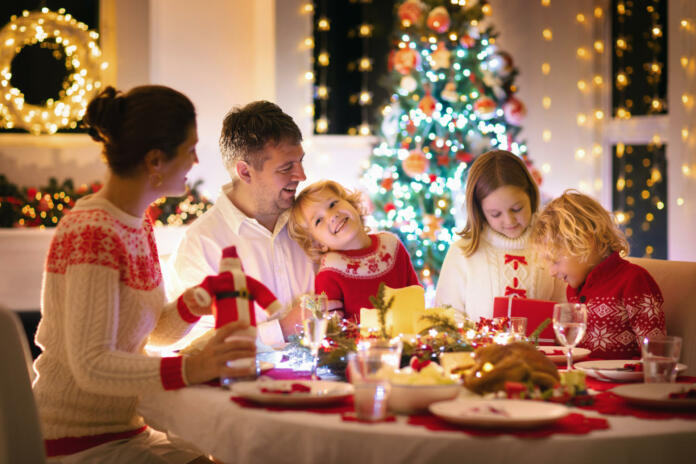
x=246, y=130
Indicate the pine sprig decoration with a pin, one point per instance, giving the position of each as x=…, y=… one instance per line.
x=439, y=322
x=382, y=307
x=534, y=336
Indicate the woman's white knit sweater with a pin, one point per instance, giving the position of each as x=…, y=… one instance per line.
x=501, y=266
x=102, y=301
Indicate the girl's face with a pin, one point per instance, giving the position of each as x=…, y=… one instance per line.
x=507, y=210
x=335, y=223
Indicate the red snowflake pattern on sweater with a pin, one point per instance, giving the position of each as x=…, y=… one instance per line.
x=624, y=305
x=96, y=237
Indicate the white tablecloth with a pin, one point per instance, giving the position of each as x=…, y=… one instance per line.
x=206, y=417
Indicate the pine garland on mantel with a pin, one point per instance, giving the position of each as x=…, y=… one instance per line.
x=45, y=206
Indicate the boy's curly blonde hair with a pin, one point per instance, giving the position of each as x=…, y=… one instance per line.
x=575, y=224
x=297, y=225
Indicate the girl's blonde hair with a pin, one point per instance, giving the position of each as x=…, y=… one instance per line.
x=575, y=224
x=490, y=171
x=298, y=228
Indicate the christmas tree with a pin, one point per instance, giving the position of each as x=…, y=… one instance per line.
x=453, y=99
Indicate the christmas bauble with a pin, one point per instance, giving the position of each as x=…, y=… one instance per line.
x=501, y=63
x=404, y=60
x=408, y=83
x=467, y=41
x=449, y=92
x=427, y=105
x=441, y=57
x=514, y=111
x=410, y=12
x=485, y=107
x=415, y=163
x=439, y=19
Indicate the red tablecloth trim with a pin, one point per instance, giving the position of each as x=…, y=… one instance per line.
x=351, y=417
x=613, y=405
x=344, y=406
x=573, y=424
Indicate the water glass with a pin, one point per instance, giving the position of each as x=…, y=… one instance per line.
x=518, y=328
x=388, y=350
x=660, y=357
x=368, y=371
x=569, y=324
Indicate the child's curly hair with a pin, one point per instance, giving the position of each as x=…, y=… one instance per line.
x=297, y=225
x=577, y=225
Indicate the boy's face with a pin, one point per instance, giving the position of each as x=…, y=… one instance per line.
x=335, y=223
x=507, y=210
x=569, y=268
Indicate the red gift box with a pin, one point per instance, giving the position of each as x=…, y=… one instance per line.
x=536, y=312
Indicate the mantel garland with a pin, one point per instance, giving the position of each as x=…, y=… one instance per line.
x=82, y=61
x=44, y=207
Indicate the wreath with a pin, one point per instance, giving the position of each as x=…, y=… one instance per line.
x=82, y=61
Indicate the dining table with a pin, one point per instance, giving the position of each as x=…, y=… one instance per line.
x=235, y=430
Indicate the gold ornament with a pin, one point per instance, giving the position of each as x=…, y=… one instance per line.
x=415, y=163
x=82, y=60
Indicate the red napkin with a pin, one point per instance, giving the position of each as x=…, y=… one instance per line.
x=600, y=385
x=341, y=407
x=613, y=405
x=573, y=424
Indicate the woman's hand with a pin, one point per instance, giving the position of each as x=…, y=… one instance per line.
x=211, y=362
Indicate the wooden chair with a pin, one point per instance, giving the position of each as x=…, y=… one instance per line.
x=677, y=280
x=20, y=430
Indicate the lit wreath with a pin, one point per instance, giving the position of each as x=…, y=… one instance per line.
x=82, y=61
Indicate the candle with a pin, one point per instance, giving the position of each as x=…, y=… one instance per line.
x=402, y=317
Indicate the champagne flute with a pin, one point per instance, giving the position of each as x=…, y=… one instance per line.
x=314, y=322
x=569, y=324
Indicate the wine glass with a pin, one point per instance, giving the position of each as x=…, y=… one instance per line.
x=314, y=322
x=570, y=324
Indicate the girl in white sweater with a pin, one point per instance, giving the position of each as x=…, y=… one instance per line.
x=103, y=297
x=493, y=257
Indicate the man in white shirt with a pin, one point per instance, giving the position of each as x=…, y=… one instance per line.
x=261, y=148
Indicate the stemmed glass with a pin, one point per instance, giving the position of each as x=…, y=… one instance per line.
x=570, y=324
x=315, y=319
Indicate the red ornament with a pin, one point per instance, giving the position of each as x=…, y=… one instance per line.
x=410, y=127
x=415, y=163
x=464, y=157
x=387, y=183
x=410, y=12
x=485, y=107
x=439, y=19
x=433, y=178
x=514, y=111
x=389, y=207
x=31, y=193
x=404, y=60
x=443, y=160
x=467, y=41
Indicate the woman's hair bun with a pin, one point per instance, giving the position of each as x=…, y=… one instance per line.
x=103, y=116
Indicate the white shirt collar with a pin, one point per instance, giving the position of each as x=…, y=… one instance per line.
x=236, y=218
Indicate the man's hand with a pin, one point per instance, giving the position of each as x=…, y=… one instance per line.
x=211, y=362
x=290, y=324
x=198, y=301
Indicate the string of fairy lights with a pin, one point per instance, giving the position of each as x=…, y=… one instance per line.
x=319, y=78
x=687, y=39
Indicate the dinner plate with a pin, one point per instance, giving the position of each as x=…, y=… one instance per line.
x=269, y=391
x=578, y=353
x=655, y=394
x=499, y=412
x=612, y=370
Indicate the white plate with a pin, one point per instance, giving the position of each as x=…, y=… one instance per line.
x=655, y=394
x=578, y=353
x=499, y=413
x=612, y=370
x=322, y=391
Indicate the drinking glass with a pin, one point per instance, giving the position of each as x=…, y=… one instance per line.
x=315, y=319
x=368, y=370
x=660, y=356
x=569, y=324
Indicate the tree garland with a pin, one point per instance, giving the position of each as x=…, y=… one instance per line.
x=44, y=207
x=82, y=61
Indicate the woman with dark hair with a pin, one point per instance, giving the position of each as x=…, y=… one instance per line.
x=103, y=297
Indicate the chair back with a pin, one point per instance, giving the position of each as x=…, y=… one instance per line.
x=20, y=430
x=677, y=280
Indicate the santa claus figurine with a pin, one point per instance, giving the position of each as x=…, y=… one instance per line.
x=233, y=293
